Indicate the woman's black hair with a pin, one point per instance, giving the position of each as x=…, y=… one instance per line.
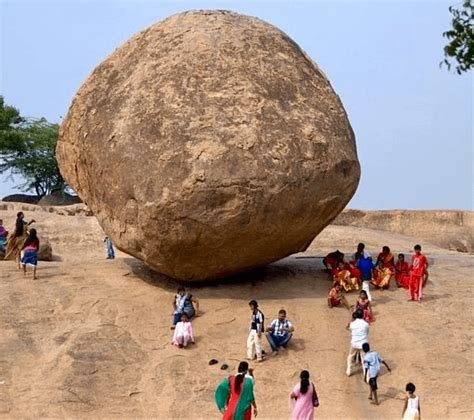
x=401, y=255
x=385, y=249
x=304, y=384
x=242, y=370
x=32, y=239
x=19, y=225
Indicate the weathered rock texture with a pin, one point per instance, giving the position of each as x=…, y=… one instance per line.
x=450, y=229
x=208, y=144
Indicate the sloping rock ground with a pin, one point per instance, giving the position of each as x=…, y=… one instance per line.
x=90, y=338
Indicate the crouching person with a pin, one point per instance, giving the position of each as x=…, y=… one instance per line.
x=183, y=333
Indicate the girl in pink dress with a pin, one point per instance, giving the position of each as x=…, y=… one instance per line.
x=303, y=399
x=183, y=333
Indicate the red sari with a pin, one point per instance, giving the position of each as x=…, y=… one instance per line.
x=402, y=274
x=334, y=297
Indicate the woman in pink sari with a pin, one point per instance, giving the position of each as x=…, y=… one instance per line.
x=303, y=399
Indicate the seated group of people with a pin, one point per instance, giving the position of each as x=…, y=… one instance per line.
x=360, y=271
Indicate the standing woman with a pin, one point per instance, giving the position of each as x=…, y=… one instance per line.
x=30, y=252
x=17, y=238
x=234, y=395
x=303, y=399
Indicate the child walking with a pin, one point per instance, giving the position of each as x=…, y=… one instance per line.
x=411, y=409
x=183, y=333
x=29, y=252
x=372, y=362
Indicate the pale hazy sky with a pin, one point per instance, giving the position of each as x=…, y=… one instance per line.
x=412, y=120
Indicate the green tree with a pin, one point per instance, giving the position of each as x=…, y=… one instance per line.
x=460, y=47
x=27, y=148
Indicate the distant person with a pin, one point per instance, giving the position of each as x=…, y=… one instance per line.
x=360, y=253
x=363, y=304
x=303, y=398
x=359, y=335
x=3, y=237
x=386, y=258
x=183, y=333
x=254, y=339
x=336, y=297
x=381, y=276
x=30, y=250
x=418, y=269
x=372, y=362
x=109, y=248
x=366, y=267
x=235, y=397
x=342, y=275
x=17, y=238
x=411, y=409
x=402, y=272
x=279, y=332
x=331, y=260
x=183, y=303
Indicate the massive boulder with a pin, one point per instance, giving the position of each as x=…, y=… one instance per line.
x=208, y=144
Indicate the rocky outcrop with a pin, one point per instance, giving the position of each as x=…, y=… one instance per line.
x=450, y=229
x=21, y=198
x=208, y=144
x=59, y=199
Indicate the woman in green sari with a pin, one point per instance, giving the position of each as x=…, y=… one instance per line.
x=234, y=395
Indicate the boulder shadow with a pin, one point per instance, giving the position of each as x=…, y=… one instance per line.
x=287, y=278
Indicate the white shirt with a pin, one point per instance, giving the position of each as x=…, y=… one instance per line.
x=360, y=333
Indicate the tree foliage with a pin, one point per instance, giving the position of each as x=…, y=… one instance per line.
x=27, y=148
x=461, y=36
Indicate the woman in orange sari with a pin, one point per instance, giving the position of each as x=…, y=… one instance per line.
x=343, y=277
x=385, y=269
x=381, y=277
x=402, y=272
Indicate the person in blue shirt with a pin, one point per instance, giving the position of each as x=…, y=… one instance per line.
x=366, y=266
x=372, y=362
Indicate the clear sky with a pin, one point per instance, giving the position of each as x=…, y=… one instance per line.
x=412, y=120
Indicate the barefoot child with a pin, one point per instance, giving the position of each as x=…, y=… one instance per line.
x=372, y=362
x=335, y=297
x=411, y=409
x=29, y=252
x=364, y=305
x=418, y=269
x=183, y=333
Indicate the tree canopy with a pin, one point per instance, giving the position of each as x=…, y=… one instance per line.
x=460, y=37
x=27, y=148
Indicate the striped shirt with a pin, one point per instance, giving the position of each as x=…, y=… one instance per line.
x=277, y=326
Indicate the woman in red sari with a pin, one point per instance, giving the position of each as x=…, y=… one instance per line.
x=234, y=395
x=385, y=269
x=402, y=272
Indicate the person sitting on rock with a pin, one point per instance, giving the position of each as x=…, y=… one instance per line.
x=343, y=277
x=3, y=237
x=279, y=332
x=183, y=304
x=331, y=260
x=183, y=333
x=402, y=272
x=335, y=297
